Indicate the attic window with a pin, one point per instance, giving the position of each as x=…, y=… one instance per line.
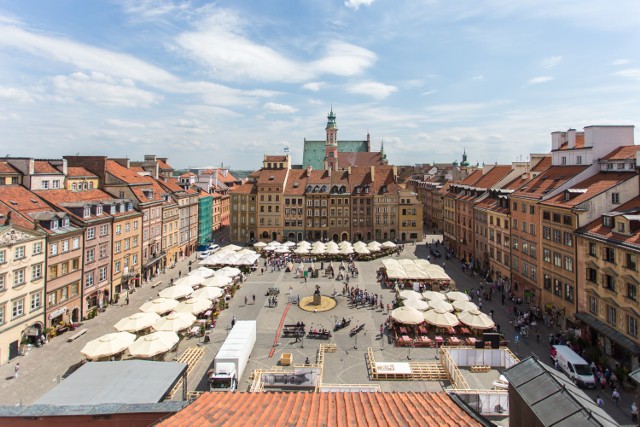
x=99, y=210
x=34, y=201
x=357, y=190
x=13, y=202
x=87, y=211
x=607, y=221
x=148, y=194
x=296, y=184
x=65, y=222
x=54, y=224
x=271, y=178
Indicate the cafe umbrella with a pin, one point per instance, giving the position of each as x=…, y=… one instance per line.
x=441, y=318
x=159, y=305
x=476, y=319
x=174, y=322
x=153, y=344
x=137, y=322
x=407, y=315
x=107, y=345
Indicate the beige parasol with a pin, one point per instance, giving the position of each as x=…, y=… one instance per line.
x=218, y=281
x=137, y=322
x=410, y=294
x=193, y=306
x=476, y=319
x=418, y=304
x=107, y=345
x=159, y=305
x=440, y=318
x=174, y=322
x=177, y=291
x=457, y=296
x=208, y=292
x=153, y=344
x=407, y=315
x=191, y=281
x=438, y=303
x=433, y=295
x=464, y=305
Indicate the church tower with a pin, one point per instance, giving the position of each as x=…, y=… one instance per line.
x=331, y=143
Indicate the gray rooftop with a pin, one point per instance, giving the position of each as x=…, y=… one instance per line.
x=129, y=381
x=553, y=397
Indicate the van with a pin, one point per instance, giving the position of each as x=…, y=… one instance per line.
x=574, y=366
x=213, y=248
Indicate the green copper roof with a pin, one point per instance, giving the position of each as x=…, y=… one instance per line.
x=314, y=151
x=331, y=120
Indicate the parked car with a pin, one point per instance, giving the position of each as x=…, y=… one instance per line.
x=435, y=253
x=205, y=254
x=213, y=248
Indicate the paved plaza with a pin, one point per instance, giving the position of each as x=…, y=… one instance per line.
x=42, y=368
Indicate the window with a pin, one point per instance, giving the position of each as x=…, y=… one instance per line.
x=117, y=247
x=556, y=236
x=568, y=239
x=88, y=280
x=568, y=263
x=546, y=233
x=102, y=274
x=592, y=249
x=53, y=249
x=610, y=255
x=592, y=275
x=532, y=229
x=118, y=229
x=632, y=291
x=36, y=272
x=116, y=267
x=593, y=305
x=612, y=315
x=135, y=225
x=19, y=252
x=3, y=281
x=610, y=282
x=532, y=251
x=2, y=257
x=91, y=233
x=632, y=326
x=557, y=287
x=515, y=206
x=91, y=255
x=17, y=308
x=37, y=248
x=569, y=292
x=2, y=315
x=630, y=262
x=615, y=198
x=75, y=243
x=557, y=259
x=36, y=301
x=18, y=277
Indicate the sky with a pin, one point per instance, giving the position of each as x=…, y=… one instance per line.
x=225, y=82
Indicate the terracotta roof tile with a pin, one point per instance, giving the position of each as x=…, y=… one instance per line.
x=592, y=186
x=125, y=174
x=623, y=153
x=79, y=172
x=275, y=158
x=330, y=409
x=43, y=166
x=279, y=176
x=597, y=228
x=21, y=199
x=5, y=167
x=492, y=177
x=472, y=178
x=247, y=188
x=359, y=159
x=548, y=181
x=163, y=165
x=542, y=165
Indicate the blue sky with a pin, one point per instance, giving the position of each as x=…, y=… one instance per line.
x=206, y=83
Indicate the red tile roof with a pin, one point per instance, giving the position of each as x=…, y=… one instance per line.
x=623, y=153
x=79, y=172
x=21, y=199
x=247, y=188
x=321, y=409
x=124, y=174
x=163, y=166
x=275, y=158
x=7, y=168
x=492, y=177
x=548, y=181
x=542, y=165
x=43, y=166
x=359, y=158
x=597, y=228
x=592, y=187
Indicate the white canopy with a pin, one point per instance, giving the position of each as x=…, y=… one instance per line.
x=407, y=315
x=174, y=322
x=418, y=304
x=362, y=250
x=208, y=292
x=413, y=270
x=410, y=294
x=457, y=296
x=282, y=250
x=462, y=305
x=345, y=244
x=388, y=245
x=441, y=304
x=137, y=322
x=476, y=319
x=228, y=271
x=193, y=306
x=289, y=244
x=318, y=250
x=440, y=318
x=176, y=292
x=333, y=250
x=273, y=243
x=374, y=243
x=347, y=250
x=218, y=281
x=302, y=250
x=202, y=272
x=431, y=295
x=153, y=344
x=332, y=244
x=159, y=305
x=259, y=245
x=189, y=281
x=107, y=345
x=359, y=244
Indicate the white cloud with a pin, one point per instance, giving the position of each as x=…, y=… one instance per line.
x=125, y=124
x=220, y=44
x=373, y=89
x=428, y=92
x=538, y=80
x=621, y=61
x=14, y=94
x=102, y=90
x=313, y=86
x=632, y=73
x=273, y=107
x=355, y=4
x=551, y=61
x=153, y=8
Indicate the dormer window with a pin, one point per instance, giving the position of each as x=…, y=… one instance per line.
x=366, y=189
x=87, y=211
x=129, y=206
x=607, y=221
x=65, y=222
x=357, y=190
x=99, y=210
x=121, y=207
x=567, y=196
x=621, y=227
x=54, y=224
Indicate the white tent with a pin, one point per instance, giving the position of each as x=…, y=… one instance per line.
x=259, y=245
x=202, y=272
x=476, y=319
x=433, y=295
x=289, y=244
x=107, y=345
x=194, y=306
x=176, y=292
x=388, y=245
x=362, y=250
x=302, y=250
x=208, y=292
x=417, y=304
x=174, y=322
x=218, y=281
x=407, y=315
x=457, y=296
x=441, y=304
x=190, y=281
x=153, y=344
x=159, y=305
x=440, y=318
x=137, y=322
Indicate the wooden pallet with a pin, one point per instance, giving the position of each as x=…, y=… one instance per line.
x=480, y=368
x=371, y=365
x=430, y=371
x=190, y=357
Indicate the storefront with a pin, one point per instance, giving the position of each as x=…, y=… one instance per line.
x=57, y=316
x=614, y=344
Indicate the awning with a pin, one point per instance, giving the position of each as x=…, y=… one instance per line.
x=58, y=312
x=155, y=259
x=609, y=332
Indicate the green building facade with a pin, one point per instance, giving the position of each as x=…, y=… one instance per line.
x=205, y=220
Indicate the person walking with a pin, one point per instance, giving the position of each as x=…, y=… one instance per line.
x=634, y=412
x=599, y=402
x=254, y=299
x=616, y=396
x=233, y=322
x=246, y=300
x=16, y=370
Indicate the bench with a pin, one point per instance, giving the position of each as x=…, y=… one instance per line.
x=77, y=335
x=155, y=285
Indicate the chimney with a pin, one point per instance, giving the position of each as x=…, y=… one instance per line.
x=373, y=173
x=557, y=139
x=348, y=170
x=309, y=169
x=395, y=173
x=368, y=142
x=571, y=138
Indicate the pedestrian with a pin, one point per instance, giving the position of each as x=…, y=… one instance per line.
x=262, y=270
x=634, y=412
x=233, y=322
x=599, y=402
x=381, y=330
x=603, y=381
x=246, y=300
x=616, y=396
x=254, y=299
x=127, y=299
x=17, y=370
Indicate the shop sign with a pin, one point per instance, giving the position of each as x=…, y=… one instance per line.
x=58, y=312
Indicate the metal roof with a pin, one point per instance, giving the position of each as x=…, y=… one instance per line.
x=170, y=406
x=552, y=397
x=128, y=381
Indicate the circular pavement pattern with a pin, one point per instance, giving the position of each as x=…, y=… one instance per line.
x=326, y=304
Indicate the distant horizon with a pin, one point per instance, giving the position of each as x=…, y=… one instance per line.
x=230, y=81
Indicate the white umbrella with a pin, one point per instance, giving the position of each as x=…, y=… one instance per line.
x=228, y=271
x=107, y=345
x=461, y=305
x=159, y=305
x=332, y=244
x=388, y=245
x=289, y=244
x=374, y=248
x=344, y=244
x=137, y=322
x=208, y=293
x=431, y=295
x=476, y=319
x=268, y=248
x=441, y=304
x=273, y=243
x=282, y=250
x=410, y=294
x=304, y=243
x=259, y=245
x=333, y=250
x=418, y=304
x=440, y=318
x=153, y=344
x=193, y=306
x=360, y=244
x=203, y=272
x=177, y=291
x=174, y=322
x=190, y=281
x=218, y=281
x=232, y=248
x=374, y=243
x=318, y=250
x=362, y=250
x=407, y=315
x=457, y=296
x=302, y=250
x=346, y=250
